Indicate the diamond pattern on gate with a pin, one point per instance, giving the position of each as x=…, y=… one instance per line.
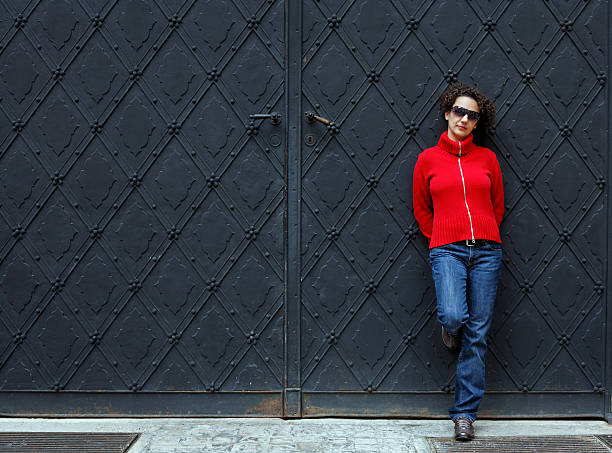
x=23, y=182
x=104, y=190
x=23, y=75
x=25, y=289
x=95, y=288
x=539, y=119
x=58, y=128
x=96, y=180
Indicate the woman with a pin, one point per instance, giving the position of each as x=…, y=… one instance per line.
x=458, y=203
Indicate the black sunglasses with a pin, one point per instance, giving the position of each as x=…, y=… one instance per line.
x=461, y=112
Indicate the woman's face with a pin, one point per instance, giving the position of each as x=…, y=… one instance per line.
x=460, y=125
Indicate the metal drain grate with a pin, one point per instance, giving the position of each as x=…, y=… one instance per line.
x=606, y=439
x=66, y=442
x=535, y=444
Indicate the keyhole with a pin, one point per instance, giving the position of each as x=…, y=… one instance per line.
x=309, y=139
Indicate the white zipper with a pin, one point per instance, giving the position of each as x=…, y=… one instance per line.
x=464, y=195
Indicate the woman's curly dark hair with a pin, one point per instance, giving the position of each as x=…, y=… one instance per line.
x=487, y=109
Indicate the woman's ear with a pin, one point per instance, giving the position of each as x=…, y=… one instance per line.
x=446, y=115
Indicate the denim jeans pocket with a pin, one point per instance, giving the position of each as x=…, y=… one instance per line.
x=441, y=251
x=436, y=251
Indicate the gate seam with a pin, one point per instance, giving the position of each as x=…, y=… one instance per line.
x=292, y=393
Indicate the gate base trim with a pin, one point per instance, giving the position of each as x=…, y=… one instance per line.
x=71, y=404
x=435, y=405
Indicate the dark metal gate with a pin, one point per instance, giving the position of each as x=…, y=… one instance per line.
x=162, y=251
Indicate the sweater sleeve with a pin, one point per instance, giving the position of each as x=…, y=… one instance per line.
x=421, y=200
x=497, y=191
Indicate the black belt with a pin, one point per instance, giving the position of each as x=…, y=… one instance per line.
x=472, y=242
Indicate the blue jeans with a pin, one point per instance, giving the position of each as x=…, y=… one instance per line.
x=466, y=284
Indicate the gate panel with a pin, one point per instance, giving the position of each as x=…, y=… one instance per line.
x=144, y=259
x=370, y=339
x=142, y=244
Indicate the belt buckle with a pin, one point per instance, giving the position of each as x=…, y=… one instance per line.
x=470, y=242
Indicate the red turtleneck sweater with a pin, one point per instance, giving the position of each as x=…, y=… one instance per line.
x=458, y=192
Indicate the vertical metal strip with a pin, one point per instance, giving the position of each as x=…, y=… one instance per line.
x=293, y=83
x=608, y=294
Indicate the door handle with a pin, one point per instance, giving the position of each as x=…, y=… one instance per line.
x=311, y=117
x=275, y=117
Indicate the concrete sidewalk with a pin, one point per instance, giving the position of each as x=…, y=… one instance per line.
x=248, y=435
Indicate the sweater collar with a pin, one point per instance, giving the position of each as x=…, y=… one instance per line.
x=452, y=147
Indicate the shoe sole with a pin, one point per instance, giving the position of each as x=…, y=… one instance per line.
x=464, y=438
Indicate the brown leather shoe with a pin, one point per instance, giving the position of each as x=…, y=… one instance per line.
x=464, y=430
x=452, y=342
